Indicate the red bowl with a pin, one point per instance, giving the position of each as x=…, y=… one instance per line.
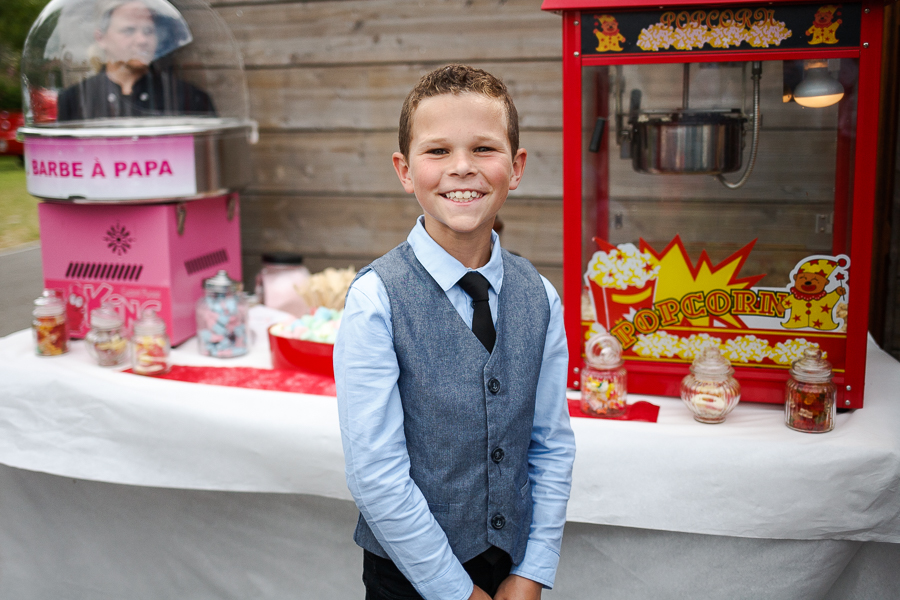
x=288, y=353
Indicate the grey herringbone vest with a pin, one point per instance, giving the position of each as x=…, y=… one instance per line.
x=467, y=414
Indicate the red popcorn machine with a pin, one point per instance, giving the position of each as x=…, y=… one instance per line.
x=137, y=141
x=719, y=176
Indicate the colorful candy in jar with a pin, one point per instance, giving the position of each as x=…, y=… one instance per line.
x=222, y=318
x=106, y=342
x=49, y=328
x=809, y=403
x=603, y=377
x=150, y=348
x=710, y=390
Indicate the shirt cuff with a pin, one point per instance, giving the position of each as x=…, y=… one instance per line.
x=452, y=584
x=539, y=565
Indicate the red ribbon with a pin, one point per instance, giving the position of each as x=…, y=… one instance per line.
x=298, y=382
x=639, y=411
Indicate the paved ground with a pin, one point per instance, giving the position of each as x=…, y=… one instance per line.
x=21, y=281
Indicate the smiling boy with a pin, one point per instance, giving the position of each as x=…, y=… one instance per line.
x=450, y=367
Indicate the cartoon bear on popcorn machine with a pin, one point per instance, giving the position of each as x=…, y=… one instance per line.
x=810, y=304
x=824, y=27
x=689, y=220
x=608, y=36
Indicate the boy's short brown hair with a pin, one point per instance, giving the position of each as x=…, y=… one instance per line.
x=458, y=79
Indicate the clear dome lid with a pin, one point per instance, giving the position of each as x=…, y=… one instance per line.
x=90, y=60
x=49, y=304
x=105, y=318
x=603, y=351
x=149, y=324
x=811, y=367
x=710, y=364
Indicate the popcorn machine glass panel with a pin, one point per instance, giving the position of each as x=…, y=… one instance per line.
x=790, y=206
x=674, y=259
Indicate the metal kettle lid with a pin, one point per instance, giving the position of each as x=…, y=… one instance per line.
x=691, y=117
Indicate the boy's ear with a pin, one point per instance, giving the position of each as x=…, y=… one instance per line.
x=402, y=168
x=518, y=168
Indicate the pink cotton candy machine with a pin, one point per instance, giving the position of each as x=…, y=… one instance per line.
x=138, y=169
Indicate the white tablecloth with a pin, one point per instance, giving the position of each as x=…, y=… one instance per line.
x=749, y=477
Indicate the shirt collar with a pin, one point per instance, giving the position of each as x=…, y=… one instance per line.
x=444, y=268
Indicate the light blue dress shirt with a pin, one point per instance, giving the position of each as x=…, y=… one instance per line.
x=371, y=417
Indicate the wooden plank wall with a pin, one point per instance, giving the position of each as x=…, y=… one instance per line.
x=326, y=82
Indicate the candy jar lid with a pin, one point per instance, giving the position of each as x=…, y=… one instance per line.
x=105, y=317
x=603, y=351
x=811, y=367
x=710, y=364
x=149, y=324
x=49, y=304
x=220, y=283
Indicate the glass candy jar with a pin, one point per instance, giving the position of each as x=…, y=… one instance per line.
x=150, y=348
x=106, y=342
x=279, y=282
x=48, y=325
x=809, y=399
x=603, y=377
x=222, y=318
x=710, y=391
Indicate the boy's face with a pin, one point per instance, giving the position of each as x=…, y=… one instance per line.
x=460, y=148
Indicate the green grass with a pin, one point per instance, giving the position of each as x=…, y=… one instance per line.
x=18, y=208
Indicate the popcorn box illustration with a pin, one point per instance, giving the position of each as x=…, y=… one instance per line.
x=665, y=309
x=621, y=280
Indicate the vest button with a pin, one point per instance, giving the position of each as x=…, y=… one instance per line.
x=493, y=385
x=497, y=455
x=498, y=521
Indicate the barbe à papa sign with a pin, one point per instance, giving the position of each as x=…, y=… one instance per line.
x=111, y=168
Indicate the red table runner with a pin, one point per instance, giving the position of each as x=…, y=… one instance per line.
x=299, y=382
x=638, y=411
x=302, y=382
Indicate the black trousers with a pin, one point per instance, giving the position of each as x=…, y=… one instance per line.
x=384, y=581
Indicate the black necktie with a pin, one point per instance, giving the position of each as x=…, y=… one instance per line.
x=476, y=286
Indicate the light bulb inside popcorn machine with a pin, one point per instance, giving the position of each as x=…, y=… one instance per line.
x=818, y=88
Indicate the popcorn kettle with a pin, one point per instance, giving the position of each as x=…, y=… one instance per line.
x=688, y=141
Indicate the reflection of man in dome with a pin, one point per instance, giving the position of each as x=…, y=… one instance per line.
x=129, y=84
